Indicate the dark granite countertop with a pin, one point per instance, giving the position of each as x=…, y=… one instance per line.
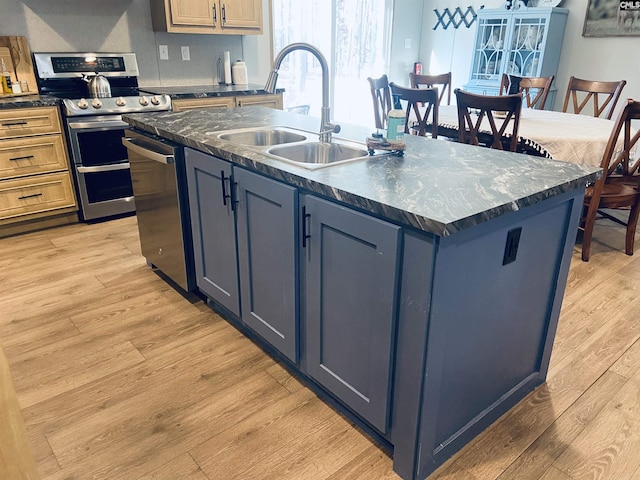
x=438, y=186
x=26, y=101
x=204, y=91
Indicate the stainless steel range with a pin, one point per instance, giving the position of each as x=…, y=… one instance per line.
x=96, y=89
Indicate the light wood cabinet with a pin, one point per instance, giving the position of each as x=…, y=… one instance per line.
x=182, y=104
x=271, y=101
x=240, y=17
x=36, y=189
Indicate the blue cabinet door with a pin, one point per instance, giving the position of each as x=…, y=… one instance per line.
x=213, y=225
x=351, y=263
x=267, y=226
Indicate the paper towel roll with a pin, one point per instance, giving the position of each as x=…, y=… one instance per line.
x=227, y=68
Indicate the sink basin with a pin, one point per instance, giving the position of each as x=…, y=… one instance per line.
x=262, y=137
x=316, y=154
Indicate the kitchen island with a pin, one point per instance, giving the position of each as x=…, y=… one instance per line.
x=419, y=294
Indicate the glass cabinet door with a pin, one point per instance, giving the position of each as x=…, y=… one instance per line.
x=490, y=47
x=526, y=45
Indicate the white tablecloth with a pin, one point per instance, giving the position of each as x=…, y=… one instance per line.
x=559, y=136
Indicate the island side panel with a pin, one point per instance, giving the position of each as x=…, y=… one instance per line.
x=411, y=341
x=492, y=325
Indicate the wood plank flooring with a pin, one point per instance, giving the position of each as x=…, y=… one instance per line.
x=118, y=376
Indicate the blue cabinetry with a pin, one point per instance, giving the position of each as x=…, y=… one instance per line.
x=524, y=42
x=351, y=269
x=252, y=273
x=213, y=223
x=267, y=226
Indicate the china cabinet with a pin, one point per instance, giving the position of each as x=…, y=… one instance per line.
x=523, y=41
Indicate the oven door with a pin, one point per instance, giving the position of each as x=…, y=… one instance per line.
x=101, y=166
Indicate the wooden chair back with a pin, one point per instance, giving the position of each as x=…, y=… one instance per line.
x=381, y=96
x=442, y=81
x=472, y=110
x=417, y=99
x=619, y=187
x=535, y=90
x=603, y=95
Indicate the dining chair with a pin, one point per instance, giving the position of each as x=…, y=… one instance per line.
x=423, y=102
x=618, y=188
x=581, y=92
x=503, y=118
x=535, y=90
x=381, y=96
x=442, y=81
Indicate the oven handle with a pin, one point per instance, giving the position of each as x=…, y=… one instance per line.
x=145, y=152
x=104, y=168
x=78, y=125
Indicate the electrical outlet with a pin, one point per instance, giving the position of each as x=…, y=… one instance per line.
x=186, y=56
x=164, y=52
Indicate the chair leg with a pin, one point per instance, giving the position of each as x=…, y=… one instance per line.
x=589, y=221
x=631, y=227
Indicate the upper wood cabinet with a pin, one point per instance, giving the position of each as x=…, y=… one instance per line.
x=239, y=17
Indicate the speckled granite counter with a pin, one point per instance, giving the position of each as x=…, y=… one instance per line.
x=26, y=101
x=204, y=91
x=438, y=186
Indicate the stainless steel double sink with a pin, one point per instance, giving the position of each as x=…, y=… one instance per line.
x=295, y=146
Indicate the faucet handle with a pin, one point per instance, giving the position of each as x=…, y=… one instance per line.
x=330, y=128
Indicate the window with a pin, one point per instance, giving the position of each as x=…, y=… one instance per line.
x=353, y=35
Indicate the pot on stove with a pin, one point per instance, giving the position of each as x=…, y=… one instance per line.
x=99, y=86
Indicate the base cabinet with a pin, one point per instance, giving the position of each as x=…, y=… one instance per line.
x=245, y=230
x=266, y=216
x=213, y=224
x=351, y=265
x=270, y=101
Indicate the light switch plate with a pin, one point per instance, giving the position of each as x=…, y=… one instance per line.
x=407, y=43
x=164, y=52
x=185, y=53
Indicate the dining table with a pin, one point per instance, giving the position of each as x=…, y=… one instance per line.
x=568, y=137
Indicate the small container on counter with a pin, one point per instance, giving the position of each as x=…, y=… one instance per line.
x=239, y=73
x=16, y=88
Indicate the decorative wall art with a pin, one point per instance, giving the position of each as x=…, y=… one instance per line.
x=455, y=18
x=606, y=18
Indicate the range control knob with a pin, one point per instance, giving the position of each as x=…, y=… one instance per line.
x=144, y=101
x=121, y=102
x=83, y=104
x=96, y=103
x=155, y=100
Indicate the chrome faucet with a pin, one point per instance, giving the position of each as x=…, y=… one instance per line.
x=326, y=127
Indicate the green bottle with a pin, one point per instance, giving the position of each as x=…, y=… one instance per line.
x=395, y=120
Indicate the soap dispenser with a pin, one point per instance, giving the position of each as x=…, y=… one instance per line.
x=396, y=120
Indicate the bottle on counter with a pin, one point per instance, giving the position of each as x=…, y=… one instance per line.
x=239, y=73
x=395, y=120
x=5, y=78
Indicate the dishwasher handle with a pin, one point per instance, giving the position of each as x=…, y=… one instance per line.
x=145, y=152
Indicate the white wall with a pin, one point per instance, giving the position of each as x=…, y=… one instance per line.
x=593, y=58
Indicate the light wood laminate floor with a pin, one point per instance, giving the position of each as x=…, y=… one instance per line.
x=120, y=377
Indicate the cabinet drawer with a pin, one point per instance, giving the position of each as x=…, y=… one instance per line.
x=211, y=102
x=20, y=122
x=28, y=156
x=271, y=101
x=35, y=194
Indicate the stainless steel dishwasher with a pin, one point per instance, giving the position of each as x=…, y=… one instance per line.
x=162, y=205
